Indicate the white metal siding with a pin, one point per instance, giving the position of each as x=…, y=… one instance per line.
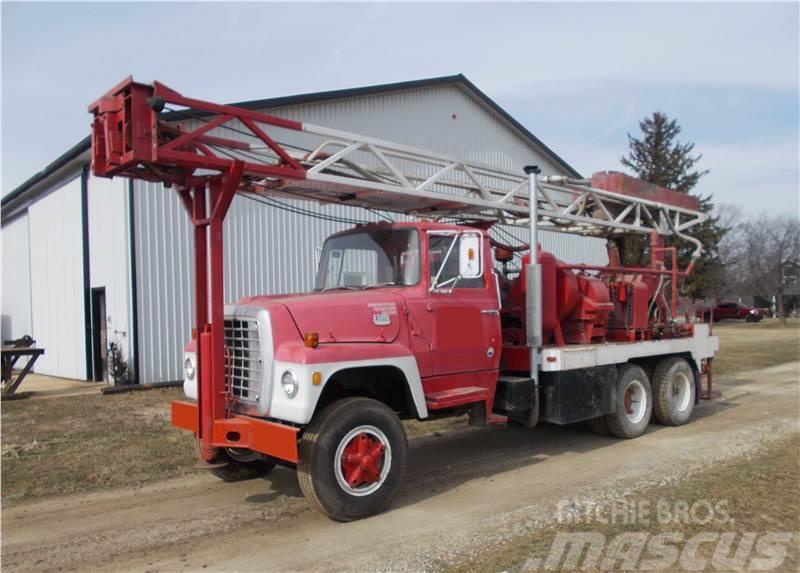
x=267, y=251
x=566, y=248
x=109, y=255
x=271, y=251
x=163, y=272
x=16, y=313
x=574, y=248
x=442, y=118
x=57, y=281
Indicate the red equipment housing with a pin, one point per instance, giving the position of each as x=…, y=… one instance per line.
x=613, y=304
x=630, y=298
x=575, y=307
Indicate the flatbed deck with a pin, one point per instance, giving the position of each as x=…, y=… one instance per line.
x=557, y=359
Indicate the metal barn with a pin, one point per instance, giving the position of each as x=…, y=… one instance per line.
x=89, y=262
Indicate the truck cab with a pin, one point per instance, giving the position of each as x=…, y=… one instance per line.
x=408, y=313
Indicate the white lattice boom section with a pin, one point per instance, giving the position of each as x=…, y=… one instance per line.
x=133, y=138
x=351, y=169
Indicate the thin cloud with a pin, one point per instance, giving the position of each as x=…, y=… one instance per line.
x=578, y=75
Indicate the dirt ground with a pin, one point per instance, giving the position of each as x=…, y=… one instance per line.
x=474, y=498
x=41, y=386
x=753, y=493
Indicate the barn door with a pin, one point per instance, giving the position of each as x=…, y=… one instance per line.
x=99, y=335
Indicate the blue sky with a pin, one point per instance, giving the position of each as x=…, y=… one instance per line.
x=579, y=76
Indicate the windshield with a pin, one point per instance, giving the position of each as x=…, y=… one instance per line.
x=369, y=258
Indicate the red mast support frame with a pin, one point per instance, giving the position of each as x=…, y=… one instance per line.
x=210, y=299
x=129, y=139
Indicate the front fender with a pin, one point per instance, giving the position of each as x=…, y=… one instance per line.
x=328, y=359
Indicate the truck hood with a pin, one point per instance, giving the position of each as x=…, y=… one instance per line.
x=343, y=316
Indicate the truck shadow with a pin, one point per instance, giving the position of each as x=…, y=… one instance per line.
x=282, y=483
x=440, y=463
x=708, y=408
x=443, y=461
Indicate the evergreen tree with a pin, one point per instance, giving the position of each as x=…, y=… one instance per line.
x=657, y=157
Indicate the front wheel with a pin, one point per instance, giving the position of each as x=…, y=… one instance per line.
x=352, y=459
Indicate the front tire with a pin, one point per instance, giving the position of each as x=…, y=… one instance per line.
x=352, y=459
x=674, y=391
x=634, y=403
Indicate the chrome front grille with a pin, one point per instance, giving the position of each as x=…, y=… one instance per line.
x=243, y=357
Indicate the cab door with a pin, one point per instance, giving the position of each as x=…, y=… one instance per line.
x=463, y=312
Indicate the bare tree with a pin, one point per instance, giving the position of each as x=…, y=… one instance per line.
x=730, y=250
x=760, y=252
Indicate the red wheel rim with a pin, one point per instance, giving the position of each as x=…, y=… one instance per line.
x=635, y=401
x=362, y=460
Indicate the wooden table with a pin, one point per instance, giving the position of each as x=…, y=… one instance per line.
x=10, y=355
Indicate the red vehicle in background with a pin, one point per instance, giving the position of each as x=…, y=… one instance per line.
x=733, y=311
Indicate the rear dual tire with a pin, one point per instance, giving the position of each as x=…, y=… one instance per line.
x=352, y=459
x=670, y=398
x=633, y=401
x=674, y=391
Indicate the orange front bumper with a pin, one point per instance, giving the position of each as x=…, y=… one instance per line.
x=268, y=438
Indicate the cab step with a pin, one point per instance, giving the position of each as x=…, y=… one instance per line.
x=455, y=397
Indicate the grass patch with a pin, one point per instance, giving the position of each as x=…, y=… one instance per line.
x=761, y=494
x=83, y=443
x=749, y=346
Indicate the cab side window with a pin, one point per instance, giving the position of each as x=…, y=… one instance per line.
x=438, y=246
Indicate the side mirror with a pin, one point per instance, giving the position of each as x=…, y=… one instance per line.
x=470, y=265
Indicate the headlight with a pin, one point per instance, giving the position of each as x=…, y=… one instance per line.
x=189, y=368
x=290, y=383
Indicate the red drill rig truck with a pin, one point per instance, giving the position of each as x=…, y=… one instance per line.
x=417, y=319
